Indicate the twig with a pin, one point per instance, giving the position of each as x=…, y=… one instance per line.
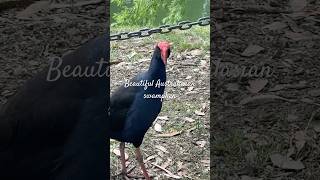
x=167, y=171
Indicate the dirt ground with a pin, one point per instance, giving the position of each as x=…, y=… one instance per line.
x=29, y=39
x=265, y=127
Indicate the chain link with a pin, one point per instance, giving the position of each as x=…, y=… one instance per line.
x=183, y=25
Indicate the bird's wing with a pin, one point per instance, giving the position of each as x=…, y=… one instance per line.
x=121, y=102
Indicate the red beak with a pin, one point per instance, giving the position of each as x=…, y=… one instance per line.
x=164, y=56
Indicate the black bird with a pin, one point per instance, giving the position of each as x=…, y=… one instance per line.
x=132, y=112
x=57, y=128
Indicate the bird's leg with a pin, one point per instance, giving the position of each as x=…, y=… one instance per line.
x=141, y=163
x=123, y=159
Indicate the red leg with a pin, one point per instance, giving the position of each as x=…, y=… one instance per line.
x=123, y=159
x=140, y=161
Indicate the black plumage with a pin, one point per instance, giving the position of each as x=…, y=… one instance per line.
x=131, y=112
x=59, y=129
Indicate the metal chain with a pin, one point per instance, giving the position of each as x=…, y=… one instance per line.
x=162, y=29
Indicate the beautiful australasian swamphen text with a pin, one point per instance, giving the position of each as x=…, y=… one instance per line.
x=131, y=112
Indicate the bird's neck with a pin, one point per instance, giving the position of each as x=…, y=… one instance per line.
x=157, y=69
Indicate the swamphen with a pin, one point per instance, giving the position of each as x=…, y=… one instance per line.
x=57, y=128
x=131, y=113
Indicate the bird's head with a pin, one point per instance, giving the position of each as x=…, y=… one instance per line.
x=164, y=48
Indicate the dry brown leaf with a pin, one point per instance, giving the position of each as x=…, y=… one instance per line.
x=168, y=173
x=292, y=117
x=196, y=52
x=205, y=162
x=252, y=50
x=188, y=77
x=232, y=87
x=189, y=119
x=251, y=156
x=263, y=97
x=315, y=125
x=172, y=176
x=161, y=148
x=314, y=92
x=300, y=139
x=299, y=36
x=165, y=118
x=166, y=164
x=275, y=26
x=297, y=5
x=33, y=8
x=245, y=177
x=151, y=157
x=191, y=129
x=117, y=153
x=175, y=133
x=199, y=113
x=201, y=143
x=257, y=85
x=286, y=162
x=232, y=40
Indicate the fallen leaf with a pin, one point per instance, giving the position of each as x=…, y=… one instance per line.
x=252, y=50
x=157, y=127
x=300, y=139
x=175, y=133
x=166, y=164
x=299, y=36
x=206, y=162
x=180, y=165
x=286, y=162
x=191, y=129
x=168, y=173
x=292, y=117
x=315, y=125
x=165, y=118
x=201, y=143
x=297, y=5
x=151, y=157
x=291, y=151
x=232, y=87
x=172, y=176
x=196, y=52
x=314, y=92
x=117, y=153
x=251, y=156
x=33, y=8
x=161, y=148
x=275, y=26
x=190, y=88
x=188, y=77
x=263, y=97
x=307, y=100
x=232, y=40
x=189, y=119
x=199, y=113
x=244, y=177
x=257, y=85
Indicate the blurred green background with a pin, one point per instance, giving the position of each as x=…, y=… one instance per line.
x=142, y=13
